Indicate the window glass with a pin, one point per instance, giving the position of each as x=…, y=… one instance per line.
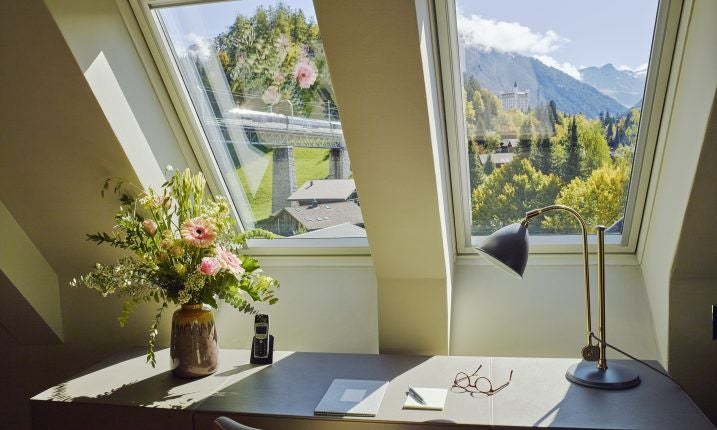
x=552, y=95
x=257, y=77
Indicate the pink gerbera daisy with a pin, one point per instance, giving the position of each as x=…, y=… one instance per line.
x=198, y=232
x=229, y=261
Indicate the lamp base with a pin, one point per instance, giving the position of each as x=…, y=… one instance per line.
x=615, y=377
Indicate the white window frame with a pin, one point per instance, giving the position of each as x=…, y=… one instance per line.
x=659, y=67
x=154, y=48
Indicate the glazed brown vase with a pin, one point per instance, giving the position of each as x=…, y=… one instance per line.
x=194, y=349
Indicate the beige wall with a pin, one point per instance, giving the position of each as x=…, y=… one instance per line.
x=679, y=257
x=381, y=91
x=693, y=286
x=543, y=315
x=29, y=294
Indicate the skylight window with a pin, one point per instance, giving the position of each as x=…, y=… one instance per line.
x=256, y=79
x=549, y=109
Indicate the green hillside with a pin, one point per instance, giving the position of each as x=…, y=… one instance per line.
x=310, y=163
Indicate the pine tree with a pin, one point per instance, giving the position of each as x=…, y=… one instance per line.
x=477, y=175
x=610, y=136
x=541, y=155
x=571, y=168
x=489, y=166
x=554, y=117
x=525, y=139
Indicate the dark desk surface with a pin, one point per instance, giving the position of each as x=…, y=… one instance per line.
x=127, y=392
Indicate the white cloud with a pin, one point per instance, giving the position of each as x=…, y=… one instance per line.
x=507, y=36
x=639, y=70
x=564, y=67
x=194, y=44
x=202, y=44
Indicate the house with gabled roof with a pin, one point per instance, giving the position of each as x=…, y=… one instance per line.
x=323, y=191
x=300, y=219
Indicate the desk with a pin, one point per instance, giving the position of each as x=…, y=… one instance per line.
x=124, y=392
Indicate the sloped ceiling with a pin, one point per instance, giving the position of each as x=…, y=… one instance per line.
x=57, y=146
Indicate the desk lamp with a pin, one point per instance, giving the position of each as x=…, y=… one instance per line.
x=507, y=249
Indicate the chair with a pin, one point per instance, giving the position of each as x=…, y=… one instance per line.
x=224, y=423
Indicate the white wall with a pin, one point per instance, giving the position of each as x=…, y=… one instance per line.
x=321, y=308
x=681, y=138
x=543, y=315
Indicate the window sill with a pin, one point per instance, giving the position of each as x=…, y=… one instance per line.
x=561, y=259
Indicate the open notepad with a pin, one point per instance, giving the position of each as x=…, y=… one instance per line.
x=352, y=397
x=433, y=398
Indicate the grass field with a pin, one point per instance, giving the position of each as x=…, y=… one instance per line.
x=310, y=163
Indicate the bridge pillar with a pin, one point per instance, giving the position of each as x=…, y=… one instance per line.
x=283, y=182
x=339, y=166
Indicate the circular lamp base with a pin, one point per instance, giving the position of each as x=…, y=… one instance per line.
x=615, y=377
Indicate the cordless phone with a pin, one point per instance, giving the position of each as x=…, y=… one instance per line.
x=262, y=346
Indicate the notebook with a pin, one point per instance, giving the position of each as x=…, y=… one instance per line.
x=352, y=397
x=434, y=398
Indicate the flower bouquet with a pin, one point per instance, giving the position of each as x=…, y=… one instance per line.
x=186, y=252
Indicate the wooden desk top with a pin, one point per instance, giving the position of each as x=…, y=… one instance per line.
x=284, y=395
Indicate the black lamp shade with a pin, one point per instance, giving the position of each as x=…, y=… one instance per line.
x=507, y=248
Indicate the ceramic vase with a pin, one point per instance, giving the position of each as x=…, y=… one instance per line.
x=193, y=348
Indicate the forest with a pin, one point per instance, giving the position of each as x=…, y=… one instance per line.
x=558, y=159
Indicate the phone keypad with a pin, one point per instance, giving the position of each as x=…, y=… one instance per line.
x=260, y=347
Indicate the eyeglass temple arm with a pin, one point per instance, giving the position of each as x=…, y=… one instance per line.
x=537, y=212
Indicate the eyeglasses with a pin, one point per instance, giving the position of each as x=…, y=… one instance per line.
x=473, y=384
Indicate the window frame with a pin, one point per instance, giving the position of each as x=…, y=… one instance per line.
x=664, y=39
x=151, y=37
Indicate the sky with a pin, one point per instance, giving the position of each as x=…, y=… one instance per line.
x=566, y=34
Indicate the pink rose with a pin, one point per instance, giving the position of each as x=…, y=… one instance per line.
x=279, y=78
x=305, y=73
x=149, y=226
x=210, y=266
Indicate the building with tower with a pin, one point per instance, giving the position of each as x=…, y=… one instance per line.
x=515, y=99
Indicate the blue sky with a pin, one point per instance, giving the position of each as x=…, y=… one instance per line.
x=566, y=34
x=576, y=33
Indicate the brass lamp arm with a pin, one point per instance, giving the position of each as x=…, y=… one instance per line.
x=537, y=212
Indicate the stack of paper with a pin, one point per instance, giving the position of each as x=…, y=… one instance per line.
x=433, y=399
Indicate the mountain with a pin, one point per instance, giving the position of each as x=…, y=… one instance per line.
x=498, y=71
x=624, y=86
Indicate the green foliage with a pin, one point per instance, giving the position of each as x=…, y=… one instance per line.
x=525, y=139
x=509, y=192
x=184, y=244
x=599, y=199
x=553, y=152
x=310, y=163
x=260, y=54
x=475, y=167
x=541, y=155
x=489, y=166
x=593, y=146
x=492, y=143
x=573, y=153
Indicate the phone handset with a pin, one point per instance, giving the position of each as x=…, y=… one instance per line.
x=262, y=346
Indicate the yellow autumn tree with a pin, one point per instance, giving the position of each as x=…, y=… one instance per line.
x=508, y=193
x=599, y=199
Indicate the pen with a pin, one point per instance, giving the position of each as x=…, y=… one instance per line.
x=416, y=396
